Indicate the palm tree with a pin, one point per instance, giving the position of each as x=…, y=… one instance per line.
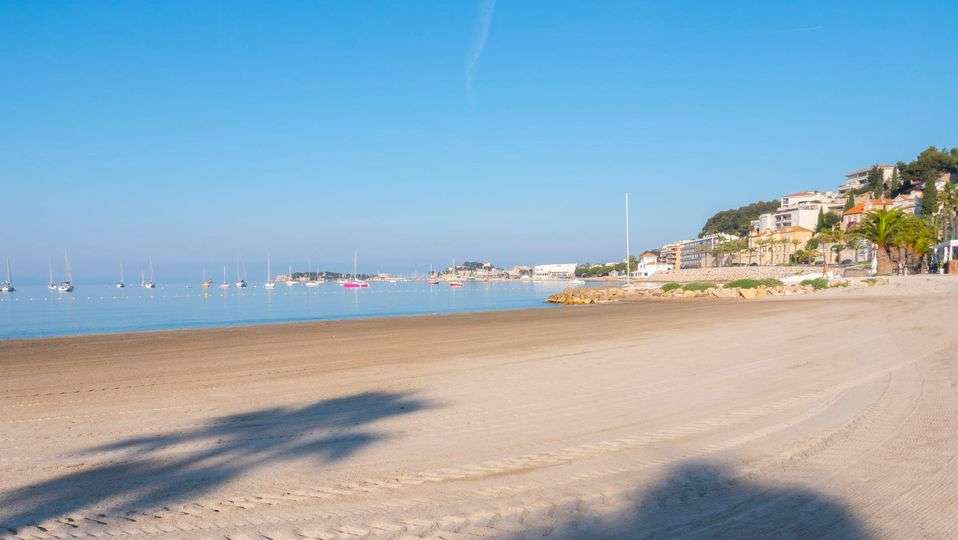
x=881, y=227
x=761, y=251
x=854, y=242
x=948, y=202
x=915, y=239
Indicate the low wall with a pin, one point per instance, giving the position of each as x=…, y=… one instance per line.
x=729, y=273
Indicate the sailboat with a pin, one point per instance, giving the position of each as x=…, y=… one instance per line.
x=455, y=276
x=355, y=282
x=121, y=284
x=67, y=285
x=225, y=284
x=241, y=277
x=51, y=285
x=310, y=282
x=150, y=284
x=7, y=286
x=433, y=280
x=289, y=280
x=269, y=276
x=207, y=283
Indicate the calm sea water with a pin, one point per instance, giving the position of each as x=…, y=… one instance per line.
x=32, y=311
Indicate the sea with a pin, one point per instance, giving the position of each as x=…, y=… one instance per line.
x=100, y=308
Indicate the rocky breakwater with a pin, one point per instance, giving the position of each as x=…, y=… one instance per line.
x=742, y=289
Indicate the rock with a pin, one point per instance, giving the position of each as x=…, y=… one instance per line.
x=747, y=294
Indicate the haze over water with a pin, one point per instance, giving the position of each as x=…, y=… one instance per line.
x=33, y=311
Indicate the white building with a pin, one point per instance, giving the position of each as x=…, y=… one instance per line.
x=800, y=210
x=649, y=265
x=554, y=271
x=859, y=177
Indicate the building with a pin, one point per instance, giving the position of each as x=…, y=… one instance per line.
x=800, y=210
x=670, y=254
x=854, y=215
x=649, y=265
x=908, y=202
x=859, y=177
x=698, y=253
x=554, y=271
x=775, y=246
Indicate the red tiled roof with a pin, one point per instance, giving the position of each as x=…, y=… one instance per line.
x=857, y=209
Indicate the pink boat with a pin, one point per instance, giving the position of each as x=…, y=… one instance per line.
x=355, y=283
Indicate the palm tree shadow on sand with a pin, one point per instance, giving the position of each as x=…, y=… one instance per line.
x=699, y=499
x=149, y=472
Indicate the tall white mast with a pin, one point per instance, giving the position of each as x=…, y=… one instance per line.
x=628, y=272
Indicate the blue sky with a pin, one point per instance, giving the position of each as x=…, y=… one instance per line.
x=200, y=133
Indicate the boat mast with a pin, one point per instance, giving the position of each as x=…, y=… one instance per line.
x=355, y=256
x=50, y=263
x=121, y=272
x=66, y=265
x=628, y=262
x=151, y=270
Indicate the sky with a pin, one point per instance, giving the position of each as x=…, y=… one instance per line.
x=204, y=133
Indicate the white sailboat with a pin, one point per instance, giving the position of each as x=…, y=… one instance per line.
x=67, y=285
x=290, y=281
x=51, y=285
x=225, y=284
x=207, y=283
x=455, y=276
x=121, y=284
x=241, y=277
x=150, y=284
x=7, y=286
x=270, y=284
x=310, y=282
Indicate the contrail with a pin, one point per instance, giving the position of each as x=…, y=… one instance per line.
x=486, y=9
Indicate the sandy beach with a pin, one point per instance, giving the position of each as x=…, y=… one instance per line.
x=828, y=415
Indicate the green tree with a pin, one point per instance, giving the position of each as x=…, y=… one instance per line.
x=849, y=202
x=929, y=197
x=895, y=184
x=737, y=220
x=820, y=226
x=881, y=227
x=875, y=182
x=929, y=164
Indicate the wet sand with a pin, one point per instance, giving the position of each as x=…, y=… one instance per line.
x=833, y=414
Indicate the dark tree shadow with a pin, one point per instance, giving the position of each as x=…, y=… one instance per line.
x=152, y=471
x=705, y=500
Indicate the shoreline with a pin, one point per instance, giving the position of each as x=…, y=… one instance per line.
x=255, y=324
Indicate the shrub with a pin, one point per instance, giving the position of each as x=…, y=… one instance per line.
x=870, y=281
x=839, y=284
x=818, y=283
x=671, y=286
x=698, y=286
x=753, y=283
